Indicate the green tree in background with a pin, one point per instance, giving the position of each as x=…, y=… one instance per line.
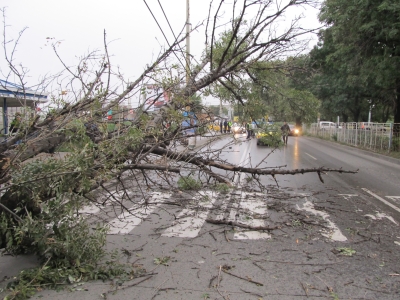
x=358, y=58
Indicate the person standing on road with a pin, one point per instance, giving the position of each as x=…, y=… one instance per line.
x=225, y=126
x=253, y=127
x=247, y=126
x=285, y=132
x=229, y=125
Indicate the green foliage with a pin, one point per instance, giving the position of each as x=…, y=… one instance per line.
x=272, y=89
x=30, y=281
x=346, y=251
x=47, y=194
x=162, y=260
x=270, y=135
x=189, y=183
x=214, y=109
x=195, y=103
x=396, y=144
x=222, y=188
x=57, y=235
x=69, y=249
x=357, y=59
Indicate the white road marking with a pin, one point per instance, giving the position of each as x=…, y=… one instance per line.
x=189, y=227
x=310, y=155
x=347, y=196
x=95, y=208
x=127, y=221
x=250, y=208
x=394, y=198
x=335, y=233
x=223, y=207
x=381, y=199
x=380, y=215
x=242, y=162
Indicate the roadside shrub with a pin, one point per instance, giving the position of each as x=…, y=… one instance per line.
x=395, y=144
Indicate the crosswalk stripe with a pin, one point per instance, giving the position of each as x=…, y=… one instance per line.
x=252, y=206
x=246, y=208
x=190, y=221
x=94, y=208
x=334, y=232
x=127, y=221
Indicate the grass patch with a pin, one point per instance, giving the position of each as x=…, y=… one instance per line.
x=189, y=183
x=222, y=188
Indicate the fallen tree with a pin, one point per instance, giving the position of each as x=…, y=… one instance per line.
x=40, y=197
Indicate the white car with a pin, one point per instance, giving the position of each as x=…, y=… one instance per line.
x=328, y=125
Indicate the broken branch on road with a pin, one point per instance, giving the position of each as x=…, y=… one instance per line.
x=236, y=224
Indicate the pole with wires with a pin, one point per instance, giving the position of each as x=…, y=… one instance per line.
x=187, y=42
x=192, y=140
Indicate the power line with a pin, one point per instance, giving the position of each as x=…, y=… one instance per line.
x=163, y=31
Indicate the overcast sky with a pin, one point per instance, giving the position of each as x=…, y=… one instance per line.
x=133, y=36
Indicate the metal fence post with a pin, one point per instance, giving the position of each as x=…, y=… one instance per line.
x=390, y=136
x=355, y=144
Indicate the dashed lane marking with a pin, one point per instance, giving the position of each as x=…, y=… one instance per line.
x=348, y=196
x=382, y=200
x=242, y=163
x=310, y=155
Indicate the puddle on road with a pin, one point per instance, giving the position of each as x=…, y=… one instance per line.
x=335, y=233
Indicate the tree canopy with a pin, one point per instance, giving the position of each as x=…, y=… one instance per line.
x=357, y=59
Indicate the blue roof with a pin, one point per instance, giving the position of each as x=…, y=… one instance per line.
x=12, y=90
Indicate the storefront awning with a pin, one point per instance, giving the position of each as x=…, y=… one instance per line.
x=14, y=95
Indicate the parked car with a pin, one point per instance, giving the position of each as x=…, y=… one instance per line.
x=294, y=131
x=328, y=125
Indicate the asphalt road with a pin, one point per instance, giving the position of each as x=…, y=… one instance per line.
x=378, y=177
x=298, y=238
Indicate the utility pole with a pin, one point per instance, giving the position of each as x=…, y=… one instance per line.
x=187, y=42
x=192, y=140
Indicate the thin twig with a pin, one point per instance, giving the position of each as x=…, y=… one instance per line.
x=226, y=237
x=247, y=279
x=213, y=236
x=304, y=288
x=131, y=285
x=11, y=212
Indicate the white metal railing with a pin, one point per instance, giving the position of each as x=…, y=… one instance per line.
x=372, y=136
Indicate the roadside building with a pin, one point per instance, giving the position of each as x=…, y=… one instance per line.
x=15, y=98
